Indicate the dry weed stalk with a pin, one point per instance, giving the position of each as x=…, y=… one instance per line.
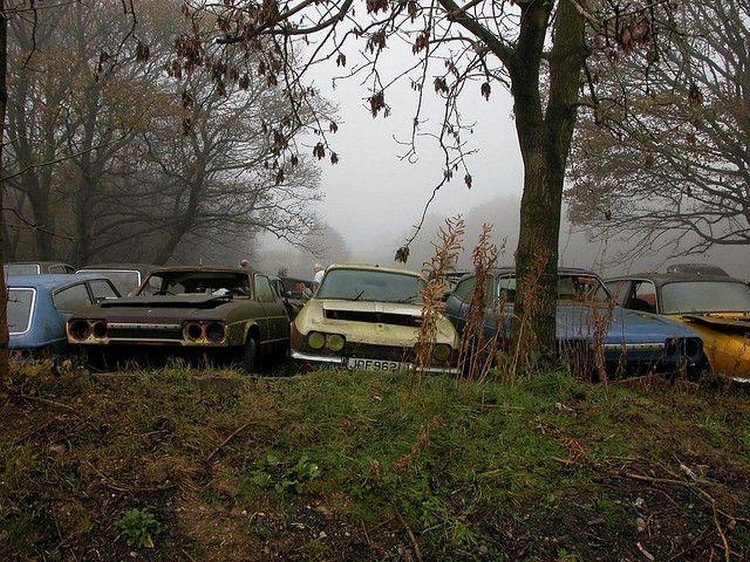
x=526, y=345
x=478, y=352
x=450, y=237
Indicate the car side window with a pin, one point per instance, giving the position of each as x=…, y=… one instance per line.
x=642, y=297
x=102, y=290
x=506, y=288
x=464, y=288
x=263, y=291
x=72, y=299
x=619, y=290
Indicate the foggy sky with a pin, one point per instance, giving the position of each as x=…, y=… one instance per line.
x=372, y=197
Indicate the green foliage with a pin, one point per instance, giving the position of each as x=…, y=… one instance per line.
x=139, y=527
x=283, y=477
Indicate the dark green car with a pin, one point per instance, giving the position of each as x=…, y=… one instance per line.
x=223, y=314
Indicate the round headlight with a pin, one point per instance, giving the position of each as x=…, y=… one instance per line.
x=99, y=329
x=442, y=352
x=193, y=331
x=80, y=329
x=316, y=340
x=215, y=332
x=335, y=342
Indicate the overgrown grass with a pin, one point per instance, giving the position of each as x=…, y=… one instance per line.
x=363, y=466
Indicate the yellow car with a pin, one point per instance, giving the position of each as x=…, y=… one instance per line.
x=368, y=318
x=715, y=306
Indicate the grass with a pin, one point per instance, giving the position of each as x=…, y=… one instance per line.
x=362, y=466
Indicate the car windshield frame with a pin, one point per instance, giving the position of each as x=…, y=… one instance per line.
x=208, y=276
x=600, y=286
x=667, y=309
x=358, y=292
x=31, y=310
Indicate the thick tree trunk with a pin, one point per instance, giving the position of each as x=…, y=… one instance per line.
x=3, y=105
x=544, y=138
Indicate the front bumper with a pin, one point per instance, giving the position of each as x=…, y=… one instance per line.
x=342, y=362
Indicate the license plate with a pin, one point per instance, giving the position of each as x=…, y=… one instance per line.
x=357, y=364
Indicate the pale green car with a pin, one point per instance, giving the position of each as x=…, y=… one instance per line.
x=368, y=318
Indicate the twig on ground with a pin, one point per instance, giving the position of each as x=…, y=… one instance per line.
x=719, y=530
x=415, y=544
x=228, y=439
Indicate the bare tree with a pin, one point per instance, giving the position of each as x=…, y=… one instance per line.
x=670, y=164
x=480, y=43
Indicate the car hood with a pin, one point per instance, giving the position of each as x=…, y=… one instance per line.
x=730, y=322
x=371, y=322
x=616, y=324
x=157, y=309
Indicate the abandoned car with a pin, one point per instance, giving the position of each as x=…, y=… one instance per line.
x=587, y=323
x=226, y=313
x=39, y=305
x=368, y=318
x=127, y=277
x=717, y=307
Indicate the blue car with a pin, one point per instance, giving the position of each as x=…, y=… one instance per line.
x=588, y=321
x=39, y=306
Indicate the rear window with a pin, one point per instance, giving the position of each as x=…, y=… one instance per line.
x=21, y=269
x=20, y=303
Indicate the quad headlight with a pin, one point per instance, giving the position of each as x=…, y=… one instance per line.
x=316, y=340
x=335, y=342
x=442, y=352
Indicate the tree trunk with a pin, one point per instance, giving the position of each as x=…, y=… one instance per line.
x=545, y=140
x=3, y=105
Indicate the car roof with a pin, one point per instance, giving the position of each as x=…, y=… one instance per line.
x=51, y=281
x=561, y=270
x=368, y=267
x=664, y=278
x=203, y=268
x=117, y=266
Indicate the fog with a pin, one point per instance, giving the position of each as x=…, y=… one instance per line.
x=373, y=197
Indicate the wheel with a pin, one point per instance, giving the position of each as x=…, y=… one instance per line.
x=250, y=355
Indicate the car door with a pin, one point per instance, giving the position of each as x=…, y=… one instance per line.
x=275, y=322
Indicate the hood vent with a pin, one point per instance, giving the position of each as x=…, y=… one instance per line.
x=375, y=317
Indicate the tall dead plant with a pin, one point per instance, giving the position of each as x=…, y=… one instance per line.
x=478, y=350
x=449, y=245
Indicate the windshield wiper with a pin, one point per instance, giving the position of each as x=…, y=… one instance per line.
x=359, y=295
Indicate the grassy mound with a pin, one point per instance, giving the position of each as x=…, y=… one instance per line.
x=191, y=465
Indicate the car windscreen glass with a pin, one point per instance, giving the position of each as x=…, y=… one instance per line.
x=705, y=296
x=197, y=283
x=123, y=280
x=579, y=288
x=369, y=285
x=21, y=269
x=20, y=302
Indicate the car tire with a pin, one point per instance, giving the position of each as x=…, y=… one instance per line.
x=251, y=355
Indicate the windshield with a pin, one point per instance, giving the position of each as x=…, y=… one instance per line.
x=197, y=283
x=369, y=285
x=579, y=288
x=705, y=296
x=21, y=269
x=20, y=302
x=123, y=280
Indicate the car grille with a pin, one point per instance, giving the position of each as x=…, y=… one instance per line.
x=144, y=332
x=375, y=317
x=370, y=351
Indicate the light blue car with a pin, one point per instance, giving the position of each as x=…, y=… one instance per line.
x=632, y=342
x=39, y=306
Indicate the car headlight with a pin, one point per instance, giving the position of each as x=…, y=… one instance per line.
x=215, y=332
x=316, y=340
x=442, y=352
x=99, y=329
x=335, y=342
x=193, y=331
x=80, y=329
